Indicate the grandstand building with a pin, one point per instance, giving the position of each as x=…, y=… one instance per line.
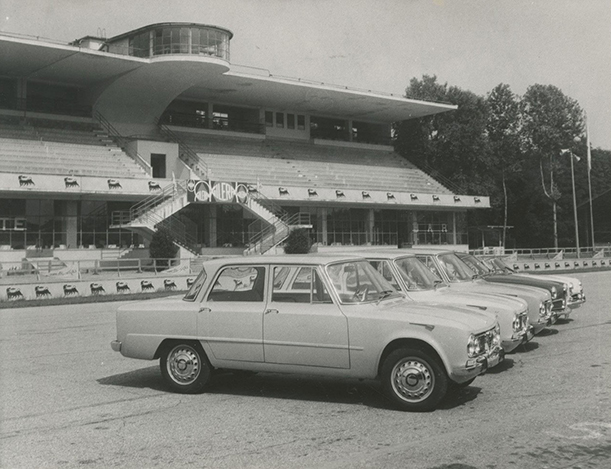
x=103, y=141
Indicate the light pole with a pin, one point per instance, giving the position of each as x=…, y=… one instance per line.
x=572, y=157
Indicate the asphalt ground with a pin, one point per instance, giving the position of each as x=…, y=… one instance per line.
x=67, y=400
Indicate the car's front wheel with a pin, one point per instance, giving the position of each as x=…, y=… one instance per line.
x=413, y=380
x=185, y=367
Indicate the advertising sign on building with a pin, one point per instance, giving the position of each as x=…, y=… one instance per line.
x=214, y=191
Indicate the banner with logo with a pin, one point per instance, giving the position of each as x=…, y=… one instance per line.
x=213, y=191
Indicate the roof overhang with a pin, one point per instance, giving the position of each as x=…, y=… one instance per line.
x=44, y=61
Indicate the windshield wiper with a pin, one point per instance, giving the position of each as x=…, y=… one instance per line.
x=384, y=294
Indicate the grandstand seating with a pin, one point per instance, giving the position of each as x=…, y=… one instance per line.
x=303, y=164
x=61, y=147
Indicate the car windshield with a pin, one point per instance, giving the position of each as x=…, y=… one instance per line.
x=475, y=264
x=196, y=287
x=359, y=282
x=416, y=275
x=500, y=266
x=455, y=269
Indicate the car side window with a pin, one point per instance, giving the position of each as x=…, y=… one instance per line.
x=296, y=284
x=383, y=268
x=428, y=261
x=239, y=283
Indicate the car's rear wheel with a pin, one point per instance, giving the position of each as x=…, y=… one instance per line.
x=185, y=367
x=413, y=380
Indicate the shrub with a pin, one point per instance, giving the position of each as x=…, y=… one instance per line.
x=298, y=242
x=162, y=247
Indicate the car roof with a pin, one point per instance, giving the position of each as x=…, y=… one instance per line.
x=311, y=259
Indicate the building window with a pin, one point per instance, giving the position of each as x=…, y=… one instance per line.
x=280, y=120
x=301, y=122
x=290, y=121
x=269, y=118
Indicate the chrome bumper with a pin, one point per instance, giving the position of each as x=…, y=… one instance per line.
x=115, y=345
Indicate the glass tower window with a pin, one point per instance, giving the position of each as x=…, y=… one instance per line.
x=179, y=39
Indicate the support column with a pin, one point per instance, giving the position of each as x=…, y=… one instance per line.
x=369, y=225
x=322, y=223
x=209, y=115
x=210, y=226
x=68, y=211
x=454, y=239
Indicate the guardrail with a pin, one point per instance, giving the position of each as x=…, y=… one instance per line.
x=47, y=269
x=545, y=253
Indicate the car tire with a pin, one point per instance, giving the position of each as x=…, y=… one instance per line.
x=185, y=367
x=413, y=380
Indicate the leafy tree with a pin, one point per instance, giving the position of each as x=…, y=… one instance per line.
x=298, y=242
x=162, y=247
x=454, y=143
x=503, y=127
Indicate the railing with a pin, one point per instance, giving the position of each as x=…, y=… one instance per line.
x=45, y=105
x=123, y=143
x=213, y=123
x=274, y=234
x=545, y=253
x=25, y=271
x=171, y=191
x=185, y=152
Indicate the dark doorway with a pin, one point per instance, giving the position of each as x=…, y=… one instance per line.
x=158, y=165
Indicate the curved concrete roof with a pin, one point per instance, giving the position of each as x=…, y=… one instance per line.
x=126, y=88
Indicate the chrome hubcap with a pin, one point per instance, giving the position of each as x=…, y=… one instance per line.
x=183, y=364
x=412, y=380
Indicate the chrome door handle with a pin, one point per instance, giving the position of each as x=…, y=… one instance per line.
x=271, y=311
x=205, y=309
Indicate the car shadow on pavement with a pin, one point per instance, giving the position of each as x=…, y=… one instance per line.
x=547, y=332
x=525, y=348
x=149, y=377
x=458, y=396
x=284, y=386
x=505, y=365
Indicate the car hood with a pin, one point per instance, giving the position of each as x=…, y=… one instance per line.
x=489, y=303
x=468, y=319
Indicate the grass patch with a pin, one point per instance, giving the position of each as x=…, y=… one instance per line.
x=88, y=299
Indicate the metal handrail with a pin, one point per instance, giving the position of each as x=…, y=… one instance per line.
x=123, y=142
x=171, y=191
x=185, y=152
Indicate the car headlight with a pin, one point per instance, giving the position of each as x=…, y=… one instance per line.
x=542, y=310
x=496, y=339
x=554, y=293
x=517, y=322
x=474, y=346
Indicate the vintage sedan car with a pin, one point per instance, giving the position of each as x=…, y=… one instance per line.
x=453, y=271
x=410, y=276
x=320, y=315
x=576, y=296
x=559, y=291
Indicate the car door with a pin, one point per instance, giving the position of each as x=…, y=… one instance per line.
x=302, y=325
x=230, y=316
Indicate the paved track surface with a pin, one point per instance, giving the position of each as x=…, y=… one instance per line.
x=67, y=400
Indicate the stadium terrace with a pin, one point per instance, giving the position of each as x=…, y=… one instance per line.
x=105, y=140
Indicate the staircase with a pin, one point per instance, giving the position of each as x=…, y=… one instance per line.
x=159, y=211
x=279, y=223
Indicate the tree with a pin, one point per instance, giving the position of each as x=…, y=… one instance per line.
x=454, y=143
x=551, y=123
x=298, y=242
x=162, y=247
x=503, y=127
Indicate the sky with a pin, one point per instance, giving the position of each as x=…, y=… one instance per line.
x=377, y=44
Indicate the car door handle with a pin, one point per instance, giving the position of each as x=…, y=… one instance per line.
x=205, y=309
x=271, y=311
